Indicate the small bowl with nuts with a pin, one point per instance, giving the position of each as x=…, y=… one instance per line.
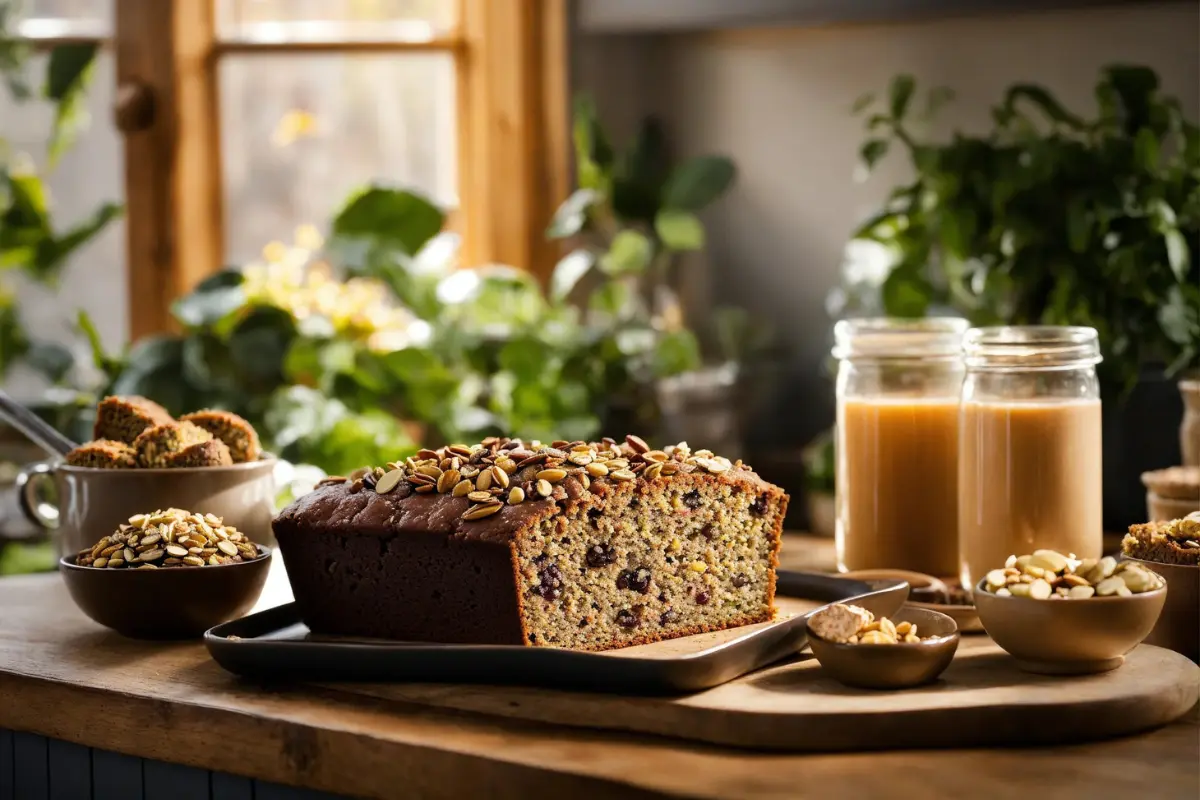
x=1059, y=615
x=1172, y=549
x=910, y=649
x=170, y=574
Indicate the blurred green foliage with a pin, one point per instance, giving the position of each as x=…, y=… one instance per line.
x=1052, y=217
x=29, y=240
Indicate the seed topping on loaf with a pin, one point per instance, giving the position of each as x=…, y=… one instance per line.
x=500, y=471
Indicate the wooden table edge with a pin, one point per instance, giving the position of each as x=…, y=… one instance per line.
x=55, y=709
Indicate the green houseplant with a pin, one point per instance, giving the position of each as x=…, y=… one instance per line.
x=364, y=346
x=1053, y=216
x=31, y=243
x=632, y=217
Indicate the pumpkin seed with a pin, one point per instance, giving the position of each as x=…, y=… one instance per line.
x=389, y=481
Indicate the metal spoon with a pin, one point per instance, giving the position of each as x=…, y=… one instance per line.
x=34, y=427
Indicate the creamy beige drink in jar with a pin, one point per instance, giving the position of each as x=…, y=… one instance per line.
x=897, y=444
x=1029, y=446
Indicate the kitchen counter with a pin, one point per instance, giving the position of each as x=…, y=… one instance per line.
x=73, y=690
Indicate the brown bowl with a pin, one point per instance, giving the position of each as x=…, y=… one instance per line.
x=175, y=603
x=93, y=502
x=1178, y=627
x=922, y=585
x=1069, y=637
x=892, y=666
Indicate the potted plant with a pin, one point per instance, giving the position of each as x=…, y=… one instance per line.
x=33, y=245
x=1052, y=217
x=632, y=217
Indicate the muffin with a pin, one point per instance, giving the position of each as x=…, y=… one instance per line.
x=155, y=445
x=237, y=434
x=123, y=419
x=102, y=454
x=212, y=453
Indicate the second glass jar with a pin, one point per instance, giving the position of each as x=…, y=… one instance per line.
x=1029, y=458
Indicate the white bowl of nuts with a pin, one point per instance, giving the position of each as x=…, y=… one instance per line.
x=1060, y=615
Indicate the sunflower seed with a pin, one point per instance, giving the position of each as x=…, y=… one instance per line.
x=621, y=475
x=516, y=495
x=194, y=561
x=543, y=487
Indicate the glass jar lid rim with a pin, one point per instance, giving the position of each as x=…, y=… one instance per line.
x=891, y=337
x=1031, y=345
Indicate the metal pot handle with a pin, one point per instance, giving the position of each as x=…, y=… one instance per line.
x=40, y=513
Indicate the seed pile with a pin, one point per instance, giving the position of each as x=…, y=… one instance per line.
x=846, y=624
x=499, y=472
x=171, y=538
x=135, y=432
x=1049, y=575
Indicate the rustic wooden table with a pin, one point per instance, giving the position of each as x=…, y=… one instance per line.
x=87, y=713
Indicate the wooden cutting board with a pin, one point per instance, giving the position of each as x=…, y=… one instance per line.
x=981, y=700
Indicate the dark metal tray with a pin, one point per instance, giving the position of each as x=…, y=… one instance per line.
x=274, y=644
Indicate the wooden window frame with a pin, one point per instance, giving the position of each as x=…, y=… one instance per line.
x=513, y=149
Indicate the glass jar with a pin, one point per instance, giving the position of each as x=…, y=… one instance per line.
x=1029, y=458
x=898, y=388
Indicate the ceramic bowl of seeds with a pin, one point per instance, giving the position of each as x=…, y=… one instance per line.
x=1060, y=615
x=169, y=574
x=856, y=648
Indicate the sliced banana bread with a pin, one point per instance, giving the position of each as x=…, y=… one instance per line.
x=577, y=545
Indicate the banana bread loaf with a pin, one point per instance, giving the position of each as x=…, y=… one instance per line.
x=576, y=545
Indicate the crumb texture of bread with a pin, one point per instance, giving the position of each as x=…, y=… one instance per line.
x=237, y=434
x=102, y=454
x=212, y=453
x=588, y=547
x=123, y=419
x=1174, y=542
x=155, y=445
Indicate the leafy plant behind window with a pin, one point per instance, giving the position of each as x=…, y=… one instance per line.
x=1052, y=217
x=29, y=239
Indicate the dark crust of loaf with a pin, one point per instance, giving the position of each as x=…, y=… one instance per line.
x=341, y=518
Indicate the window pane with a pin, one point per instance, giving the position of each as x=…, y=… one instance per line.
x=51, y=18
x=334, y=20
x=300, y=132
x=89, y=174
